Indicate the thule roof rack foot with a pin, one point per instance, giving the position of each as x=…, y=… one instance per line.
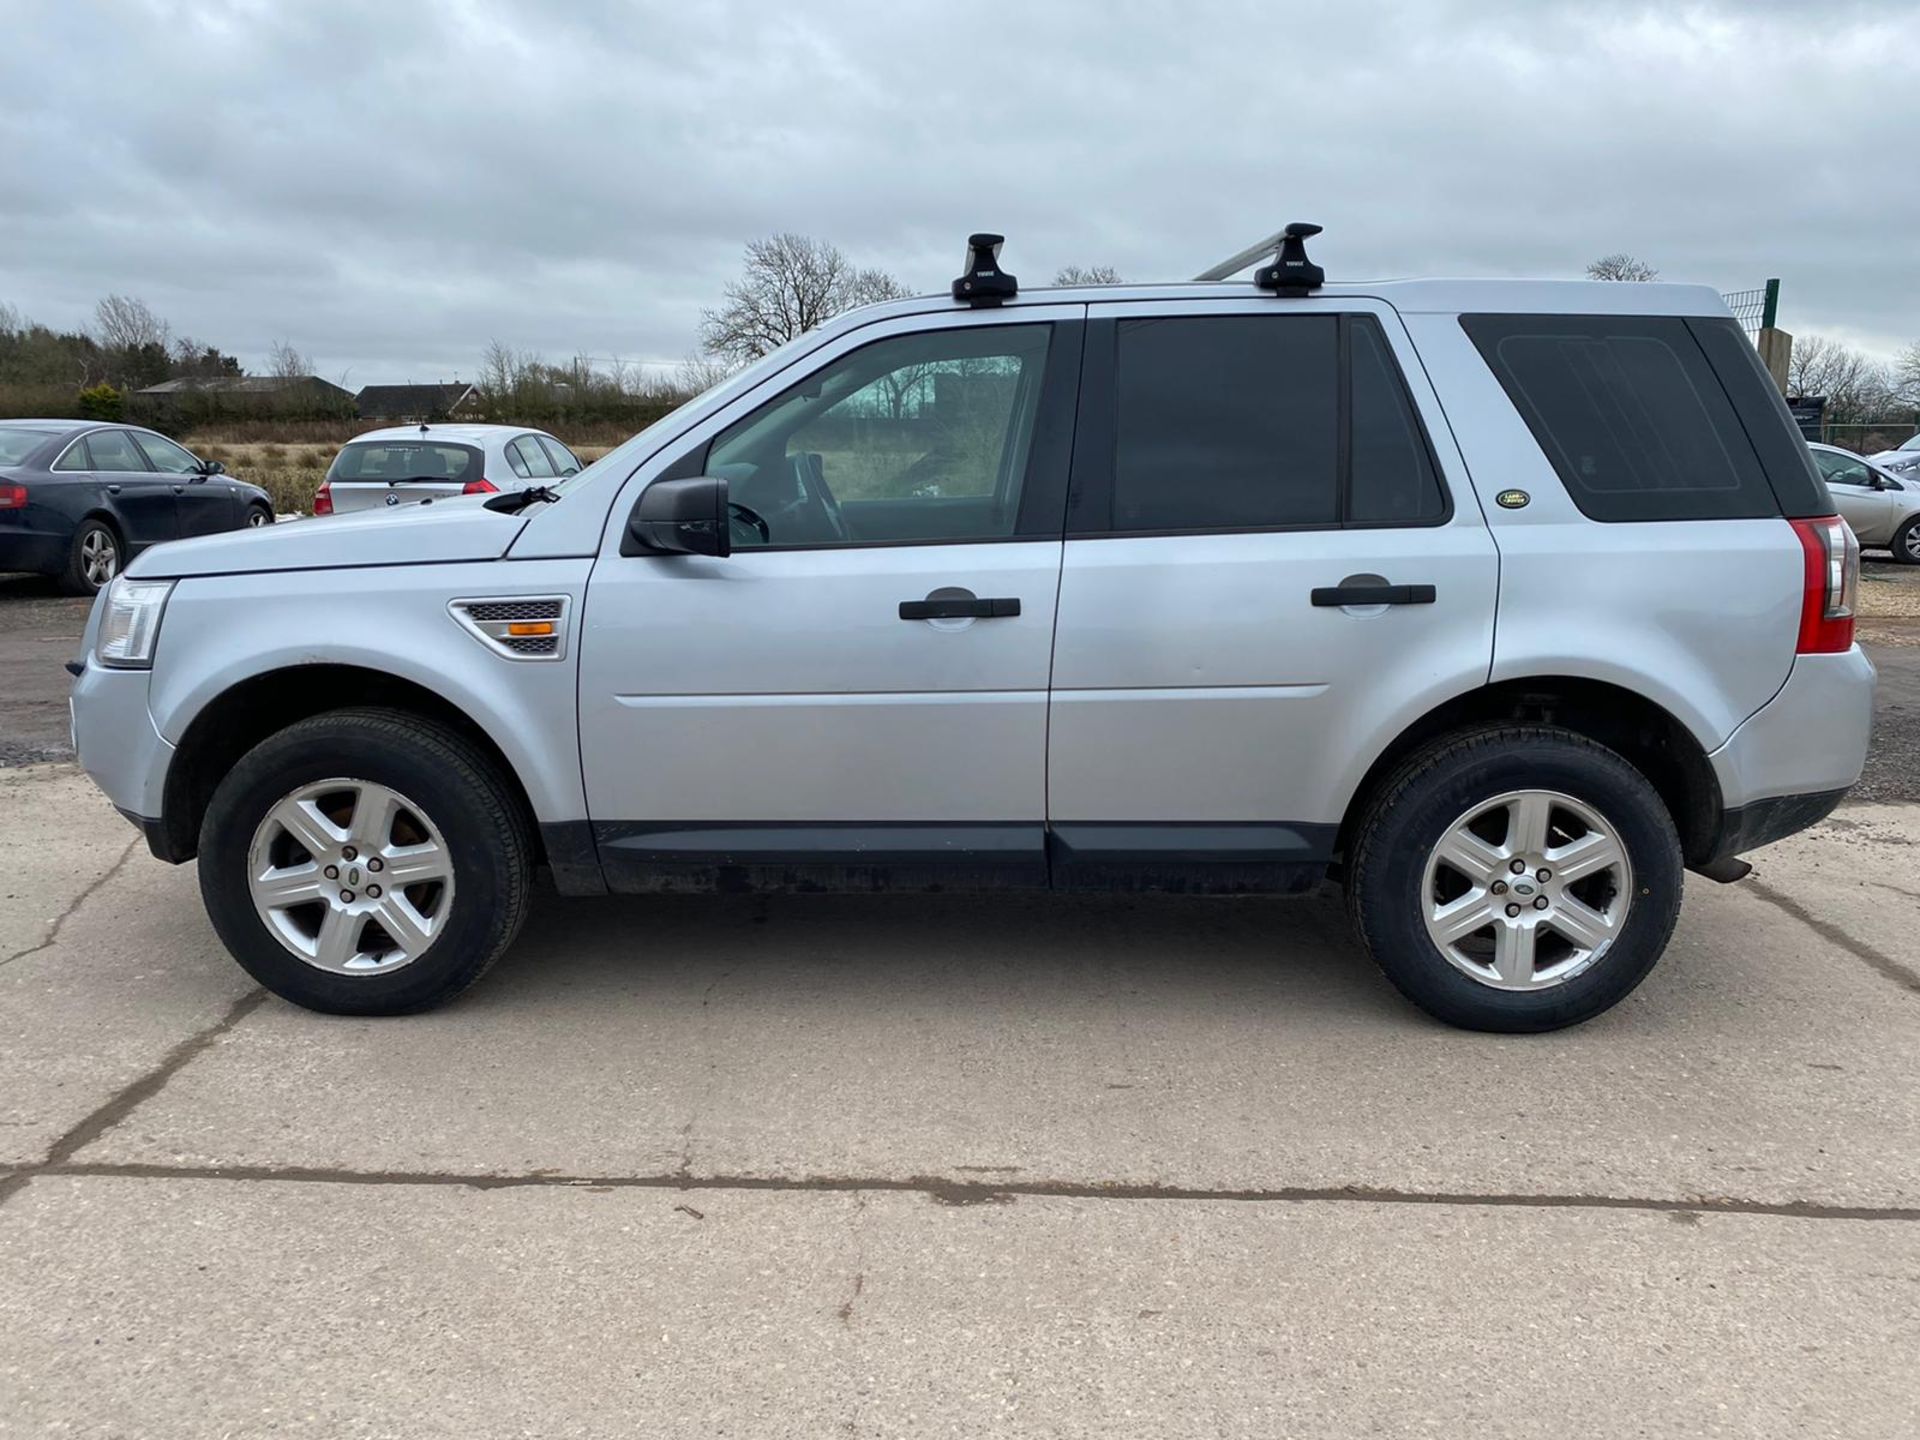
x=1291, y=273
x=985, y=283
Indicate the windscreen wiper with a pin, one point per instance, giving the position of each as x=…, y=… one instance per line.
x=514, y=501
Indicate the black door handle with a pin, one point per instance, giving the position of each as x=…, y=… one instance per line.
x=1373, y=595
x=960, y=609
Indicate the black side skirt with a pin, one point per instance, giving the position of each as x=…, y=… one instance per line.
x=650, y=857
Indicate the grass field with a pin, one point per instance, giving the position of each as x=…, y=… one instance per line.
x=291, y=472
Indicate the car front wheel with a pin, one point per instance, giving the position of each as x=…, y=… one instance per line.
x=1516, y=879
x=365, y=862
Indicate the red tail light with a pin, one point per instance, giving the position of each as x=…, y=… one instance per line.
x=1832, y=585
x=323, y=499
x=479, y=487
x=13, y=497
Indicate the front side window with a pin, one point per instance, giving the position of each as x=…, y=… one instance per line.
x=917, y=438
x=166, y=456
x=1842, y=469
x=114, y=450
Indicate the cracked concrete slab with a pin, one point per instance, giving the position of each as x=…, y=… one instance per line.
x=193, y=1308
x=56, y=849
x=134, y=969
x=1857, y=872
x=1193, y=1043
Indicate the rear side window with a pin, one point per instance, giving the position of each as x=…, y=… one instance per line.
x=387, y=460
x=1632, y=416
x=1226, y=422
x=1393, y=480
x=528, y=459
x=113, y=450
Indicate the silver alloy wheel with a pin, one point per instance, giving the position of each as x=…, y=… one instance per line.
x=350, y=876
x=256, y=517
x=99, y=556
x=1527, y=890
x=1913, y=542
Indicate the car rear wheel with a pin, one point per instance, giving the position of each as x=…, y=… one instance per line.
x=365, y=862
x=94, y=557
x=1516, y=879
x=1906, y=542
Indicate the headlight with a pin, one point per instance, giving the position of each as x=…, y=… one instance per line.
x=131, y=622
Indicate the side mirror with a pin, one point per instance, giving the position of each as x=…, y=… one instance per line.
x=680, y=517
x=213, y=467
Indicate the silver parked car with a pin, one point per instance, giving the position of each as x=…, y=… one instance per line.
x=1882, y=508
x=435, y=462
x=1501, y=603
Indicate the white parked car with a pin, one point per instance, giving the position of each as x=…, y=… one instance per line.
x=1502, y=603
x=1903, y=460
x=1882, y=507
x=435, y=462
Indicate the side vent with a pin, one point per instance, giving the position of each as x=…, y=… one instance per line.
x=522, y=627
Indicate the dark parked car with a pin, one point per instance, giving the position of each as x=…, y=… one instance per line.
x=78, y=499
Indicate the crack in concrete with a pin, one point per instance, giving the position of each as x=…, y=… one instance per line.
x=53, y=931
x=963, y=1192
x=1884, y=964
x=130, y=1097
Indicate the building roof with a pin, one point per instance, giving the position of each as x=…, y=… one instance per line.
x=240, y=385
x=435, y=399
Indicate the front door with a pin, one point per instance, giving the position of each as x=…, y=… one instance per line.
x=207, y=504
x=1856, y=493
x=858, y=694
x=1272, y=565
x=140, y=499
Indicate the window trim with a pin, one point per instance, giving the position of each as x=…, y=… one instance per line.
x=1097, y=435
x=1054, y=423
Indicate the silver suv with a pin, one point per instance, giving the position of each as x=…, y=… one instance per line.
x=1500, y=603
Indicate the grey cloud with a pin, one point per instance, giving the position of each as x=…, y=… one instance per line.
x=392, y=185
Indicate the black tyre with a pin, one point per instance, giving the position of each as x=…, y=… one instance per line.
x=258, y=515
x=94, y=558
x=1556, y=843
x=1906, y=542
x=365, y=862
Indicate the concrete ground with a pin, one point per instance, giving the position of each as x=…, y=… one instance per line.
x=933, y=1166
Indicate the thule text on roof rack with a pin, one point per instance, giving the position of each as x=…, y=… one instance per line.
x=1291, y=273
x=984, y=282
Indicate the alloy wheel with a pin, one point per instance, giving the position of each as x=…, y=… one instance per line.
x=352, y=877
x=1527, y=890
x=99, y=557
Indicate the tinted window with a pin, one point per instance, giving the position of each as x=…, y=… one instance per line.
x=1226, y=422
x=74, y=457
x=916, y=438
x=532, y=458
x=1630, y=414
x=166, y=455
x=1393, y=478
x=113, y=450
x=565, y=462
x=385, y=460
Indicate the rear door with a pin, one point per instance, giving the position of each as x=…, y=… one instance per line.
x=1271, y=566
x=858, y=694
x=139, y=497
x=206, y=504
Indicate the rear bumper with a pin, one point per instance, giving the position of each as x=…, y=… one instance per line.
x=1793, y=760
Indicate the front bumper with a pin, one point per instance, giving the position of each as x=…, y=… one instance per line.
x=117, y=742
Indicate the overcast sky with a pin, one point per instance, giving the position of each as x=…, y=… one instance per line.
x=390, y=185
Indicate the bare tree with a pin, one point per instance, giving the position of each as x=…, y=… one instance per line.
x=1621, y=266
x=1857, y=388
x=699, y=373
x=791, y=284
x=286, y=363
x=1906, y=375
x=11, y=320
x=1086, y=275
x=121, y=322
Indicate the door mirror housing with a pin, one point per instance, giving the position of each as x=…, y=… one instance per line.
x=680, y=517
x=213, y=467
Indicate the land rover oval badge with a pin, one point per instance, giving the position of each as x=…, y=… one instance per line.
x=1512, y=499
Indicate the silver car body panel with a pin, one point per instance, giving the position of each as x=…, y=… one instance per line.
x=221, y=630
x=444, y=532
x=1810, y=738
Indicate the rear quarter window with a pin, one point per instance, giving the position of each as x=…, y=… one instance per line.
x=1638, y=421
